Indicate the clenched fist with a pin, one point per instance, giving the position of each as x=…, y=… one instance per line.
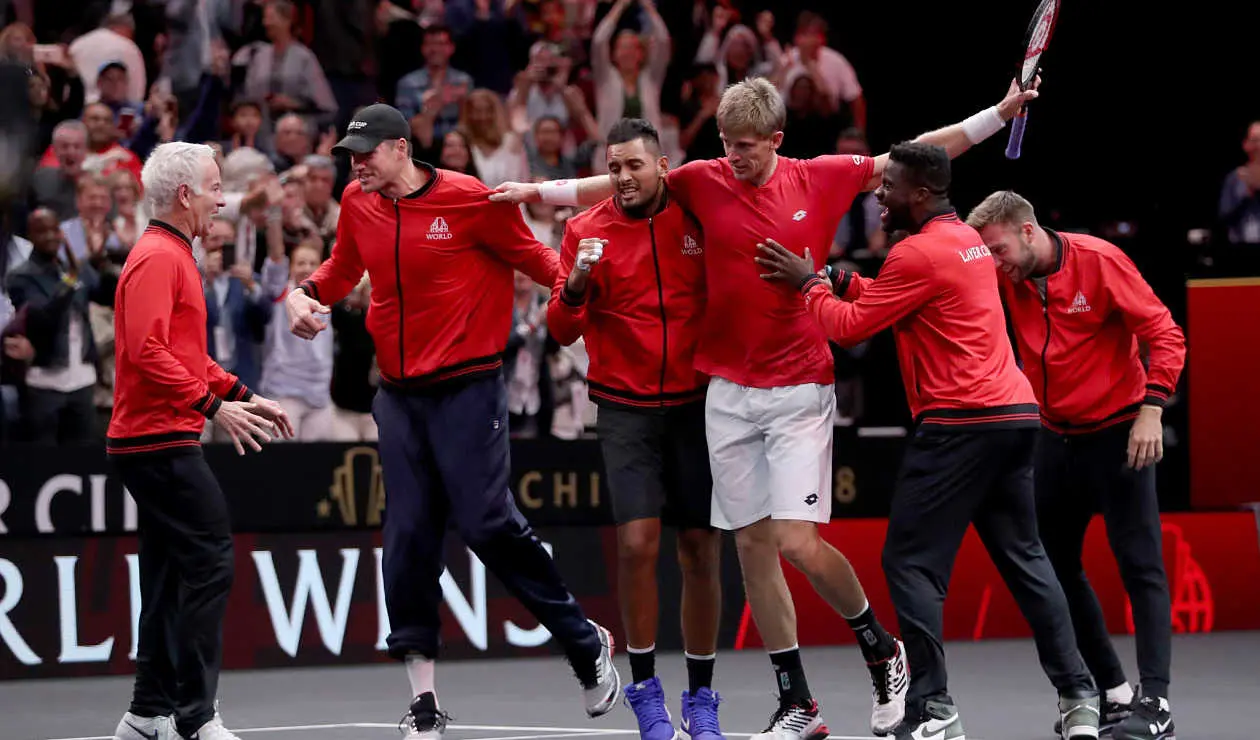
x=589, y=252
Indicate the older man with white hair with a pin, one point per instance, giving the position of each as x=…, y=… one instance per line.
x=166, y=386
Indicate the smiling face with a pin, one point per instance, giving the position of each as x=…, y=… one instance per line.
x=896, y=194
x=1012, y=250
x=204, y=205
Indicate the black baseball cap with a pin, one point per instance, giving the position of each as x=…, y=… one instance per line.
x=371, y=126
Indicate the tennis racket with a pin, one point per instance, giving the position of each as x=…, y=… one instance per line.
x=1035, y=42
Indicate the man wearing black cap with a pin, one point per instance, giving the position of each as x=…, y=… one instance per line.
x=440, y=257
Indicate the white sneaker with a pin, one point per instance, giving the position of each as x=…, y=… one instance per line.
x=795, y=722
x=892, y=682
x=602, y=697
x=213, y=730
x=131, y=727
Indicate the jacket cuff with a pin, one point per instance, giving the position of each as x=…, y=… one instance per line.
x=208, y=405
x=309, y=288
x=843, y=281
x=1156, y=395
x=239, y=392
x=809, y=284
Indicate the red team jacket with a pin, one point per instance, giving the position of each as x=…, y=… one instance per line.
x=643, y=306
x=165, y=385
x=938, y=291
x=441, y=263
x=754, y=333
x=1080, y=344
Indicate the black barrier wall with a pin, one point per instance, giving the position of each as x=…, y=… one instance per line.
x=321, y=487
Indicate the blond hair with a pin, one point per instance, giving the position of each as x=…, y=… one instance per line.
x=752, y=106
x=1005, y=207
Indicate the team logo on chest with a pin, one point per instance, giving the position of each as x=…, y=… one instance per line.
x=691, y=247
x=1079, y=304
x=440, y=230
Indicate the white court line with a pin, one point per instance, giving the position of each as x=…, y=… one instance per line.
x=539, y=733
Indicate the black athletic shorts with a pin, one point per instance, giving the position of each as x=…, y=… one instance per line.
x=657, y=464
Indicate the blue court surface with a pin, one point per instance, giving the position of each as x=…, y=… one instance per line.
x=998, y=686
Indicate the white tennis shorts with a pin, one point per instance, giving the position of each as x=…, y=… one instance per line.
x=770, y=452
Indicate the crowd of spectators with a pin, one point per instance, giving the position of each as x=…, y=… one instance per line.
x=500, y=89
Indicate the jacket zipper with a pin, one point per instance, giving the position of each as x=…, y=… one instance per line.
x=1045, y=368
x=660, y=295
x=402, y=313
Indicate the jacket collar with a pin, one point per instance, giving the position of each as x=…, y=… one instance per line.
x=163, y=227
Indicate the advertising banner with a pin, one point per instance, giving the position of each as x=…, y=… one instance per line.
x=313, y=487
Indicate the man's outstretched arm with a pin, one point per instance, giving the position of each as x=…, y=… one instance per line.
x=959, y=137
x=584, y=192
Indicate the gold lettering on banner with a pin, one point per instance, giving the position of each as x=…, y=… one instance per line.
x=564, y=487
x=845, y=489
x=527, y=497
x=567, y=491
x=344, y=489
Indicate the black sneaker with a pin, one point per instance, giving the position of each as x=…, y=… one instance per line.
x=1151, y=720
x=424, y=721
x=1113, y=713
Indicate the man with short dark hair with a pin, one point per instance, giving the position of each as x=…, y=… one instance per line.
x=440, y=257
x=970, y=460
x=436, y=90
x=639, y=308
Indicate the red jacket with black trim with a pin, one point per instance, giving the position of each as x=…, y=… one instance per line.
x=1080, y=344
x=642, y=309
x=938, y=291
x=441, y=264
x=165, y=385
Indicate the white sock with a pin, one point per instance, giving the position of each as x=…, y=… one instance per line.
x=1122, y=694
x=420, y=673
x=865, y=605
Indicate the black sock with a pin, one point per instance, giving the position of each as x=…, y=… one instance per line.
x=872, y=638
x=699, y=672
x=790, y=677
x=642, y=664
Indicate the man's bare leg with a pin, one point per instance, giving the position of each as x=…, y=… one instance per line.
x=699, y=561
x=638, y=549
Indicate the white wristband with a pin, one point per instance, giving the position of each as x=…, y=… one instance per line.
x=559, y=192
x=983, y=125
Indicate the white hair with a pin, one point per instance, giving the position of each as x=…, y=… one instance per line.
x=72, y=125
x=169, y=166
x=242, y=167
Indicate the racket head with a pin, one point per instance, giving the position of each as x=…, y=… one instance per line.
x=1036, y=39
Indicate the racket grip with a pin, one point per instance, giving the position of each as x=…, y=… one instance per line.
x=1017, y=136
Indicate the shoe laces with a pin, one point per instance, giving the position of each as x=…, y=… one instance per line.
x=648, y=707
x=425, y=721
x=1148, y=708
x=790, y=717
x=879, y=679
x=704, y=718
